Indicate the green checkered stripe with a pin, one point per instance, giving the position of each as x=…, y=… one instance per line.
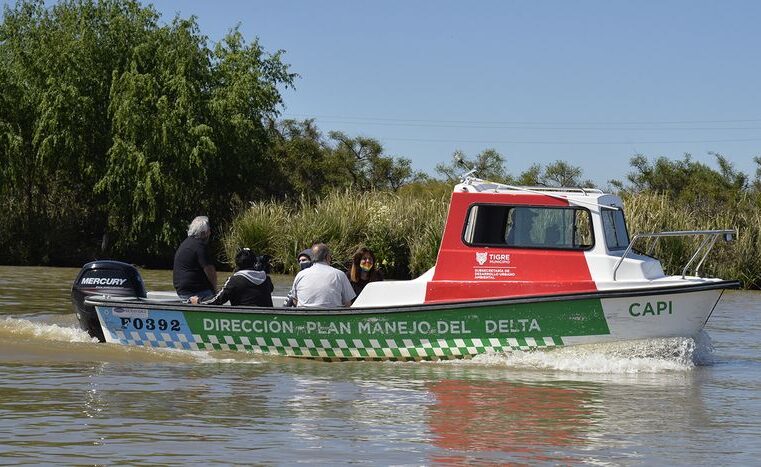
x=373, y=349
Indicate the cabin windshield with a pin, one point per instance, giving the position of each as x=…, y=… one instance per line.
x=614, y=225
x=528, y=227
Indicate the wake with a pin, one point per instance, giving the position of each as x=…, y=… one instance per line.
x=643, y=356
x=19, y=328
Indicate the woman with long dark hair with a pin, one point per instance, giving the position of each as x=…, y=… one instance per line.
x=363, y=270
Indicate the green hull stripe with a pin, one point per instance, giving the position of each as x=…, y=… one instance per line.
x=415, y=335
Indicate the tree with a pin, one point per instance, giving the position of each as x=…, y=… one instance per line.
x=58, y=66
x=562, y=174
x=365, y=165
x=488, y=165
x=119, y=127
x=686, y=179
x=189, y=133
x=757, y=179
x=531, y=176
x=244, y=101
x=303, y=160
x=556, y=174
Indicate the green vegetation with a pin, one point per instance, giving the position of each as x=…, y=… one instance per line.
x=653, y=212
x=490, y=165
x=404, y=231
x=116, y=129
x=405, y=228
x=688, y=195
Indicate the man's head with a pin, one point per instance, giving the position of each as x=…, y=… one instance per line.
x=320, y=253
x=200, y=228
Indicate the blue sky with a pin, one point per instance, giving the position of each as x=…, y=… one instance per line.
x=589, y=82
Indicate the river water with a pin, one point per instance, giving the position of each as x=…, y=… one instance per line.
x=67, y=400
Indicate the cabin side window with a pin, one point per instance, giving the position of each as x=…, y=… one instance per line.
x=614, y=225
x=528, y=227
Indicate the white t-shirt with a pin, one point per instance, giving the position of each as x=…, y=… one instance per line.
x=321, y=285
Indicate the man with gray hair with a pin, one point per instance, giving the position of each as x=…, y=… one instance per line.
x=322, y=285
x=194, y=272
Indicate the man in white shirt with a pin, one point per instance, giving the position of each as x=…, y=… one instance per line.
x=322, y=285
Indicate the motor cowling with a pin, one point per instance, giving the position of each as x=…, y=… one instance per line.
x=104, y=277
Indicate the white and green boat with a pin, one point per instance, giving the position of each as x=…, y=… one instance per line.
x=518, y=269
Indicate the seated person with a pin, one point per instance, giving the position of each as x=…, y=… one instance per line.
x=304, y=259
x=193, y=271
x=322, y=285
x=363, y=270
x=248, y=285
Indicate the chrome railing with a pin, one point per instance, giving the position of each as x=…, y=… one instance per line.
x=705, y=246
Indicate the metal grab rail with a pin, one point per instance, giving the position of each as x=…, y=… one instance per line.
x=707, y=245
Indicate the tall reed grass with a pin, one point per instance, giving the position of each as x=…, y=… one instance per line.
x=404, y=231
x=652, y=212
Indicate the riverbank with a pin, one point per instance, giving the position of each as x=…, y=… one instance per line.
x=404, y=230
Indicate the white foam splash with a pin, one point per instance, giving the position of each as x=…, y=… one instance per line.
x=31, y=329
x=24, y=329
x=211, y=359
x=631, y=357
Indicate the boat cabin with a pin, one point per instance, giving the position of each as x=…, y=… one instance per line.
x=501, y=241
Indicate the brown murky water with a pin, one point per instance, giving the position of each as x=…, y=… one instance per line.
x=67, y=400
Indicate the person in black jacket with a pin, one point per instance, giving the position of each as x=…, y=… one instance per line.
x=193, y=271
x=248, y=285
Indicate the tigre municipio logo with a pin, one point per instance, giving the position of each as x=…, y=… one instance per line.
x=481, y=257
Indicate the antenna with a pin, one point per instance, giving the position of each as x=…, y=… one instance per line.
x=461, y=162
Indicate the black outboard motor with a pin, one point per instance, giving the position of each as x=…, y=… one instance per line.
x=103, y=277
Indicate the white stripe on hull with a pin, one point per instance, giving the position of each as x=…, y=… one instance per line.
x=681, y=315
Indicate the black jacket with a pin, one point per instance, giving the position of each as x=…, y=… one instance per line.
x=245, y=287
x=188, y=275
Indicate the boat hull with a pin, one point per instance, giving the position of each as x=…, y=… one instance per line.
x=426, y=332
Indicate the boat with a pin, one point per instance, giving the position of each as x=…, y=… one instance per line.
x=518, y=269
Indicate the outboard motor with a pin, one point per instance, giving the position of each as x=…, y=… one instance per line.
x=103, y=277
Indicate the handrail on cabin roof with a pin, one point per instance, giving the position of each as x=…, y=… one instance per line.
x=557, y=193
x=472, y=181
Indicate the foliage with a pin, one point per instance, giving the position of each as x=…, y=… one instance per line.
x=655, y=212
x=309, y=163
x=425, y=187
x=757, y=180
x=367, y=167
x=490, y=165
x=686, y=180
x=302, y=159
x=118, y=130
x=561, y=173
x=404, y=231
